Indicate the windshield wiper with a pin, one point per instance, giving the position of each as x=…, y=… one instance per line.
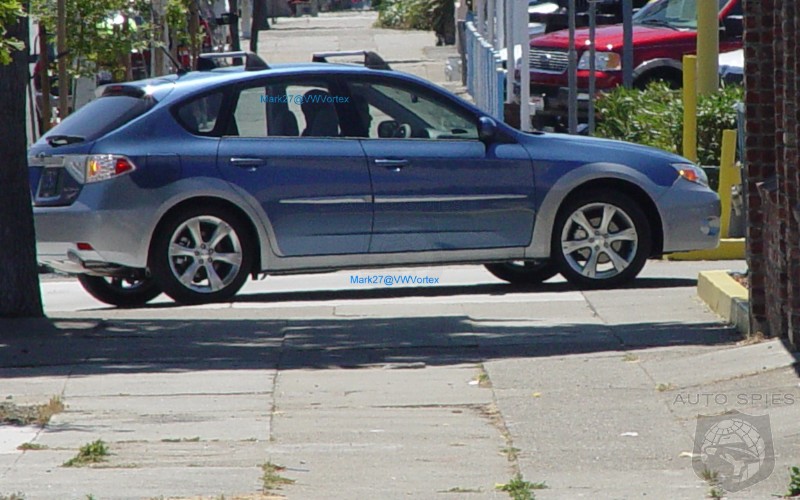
x=63, y=140
x=658, y=22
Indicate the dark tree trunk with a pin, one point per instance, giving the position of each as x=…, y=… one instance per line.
x=19, y=281
x=260, y=22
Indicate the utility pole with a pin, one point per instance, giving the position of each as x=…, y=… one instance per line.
x=572, y=58
x=627, y=43
x=61, y=56
x=45, y=113
x=234, y=26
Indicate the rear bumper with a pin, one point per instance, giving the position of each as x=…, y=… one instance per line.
x=117, y=238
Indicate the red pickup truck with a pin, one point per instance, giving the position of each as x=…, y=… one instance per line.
x=663, y=32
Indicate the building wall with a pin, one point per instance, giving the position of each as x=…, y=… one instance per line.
x=771, y=158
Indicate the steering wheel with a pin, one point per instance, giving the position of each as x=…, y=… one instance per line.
x=403, y=131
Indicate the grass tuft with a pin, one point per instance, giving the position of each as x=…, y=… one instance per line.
x=519, y=489
x=272, y=479
x=91, y=453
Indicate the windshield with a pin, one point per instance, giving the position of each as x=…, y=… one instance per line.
x=98, y=118
x=679, y=14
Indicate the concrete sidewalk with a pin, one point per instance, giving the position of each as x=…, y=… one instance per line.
x=443, y=391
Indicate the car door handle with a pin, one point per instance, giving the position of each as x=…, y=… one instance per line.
x=391, y=164
x=247, y=162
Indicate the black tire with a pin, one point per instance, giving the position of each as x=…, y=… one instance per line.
x=131, y=291
x=207, y=276
x=603, y=257
x=524, y=272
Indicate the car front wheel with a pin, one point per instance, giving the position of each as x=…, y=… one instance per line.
x=130, y=291
x=202, y=255
x=601, y=239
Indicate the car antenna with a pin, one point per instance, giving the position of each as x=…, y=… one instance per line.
x=181, y=69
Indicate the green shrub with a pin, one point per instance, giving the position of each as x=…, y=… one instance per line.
x=654, y=117
x=406, y=14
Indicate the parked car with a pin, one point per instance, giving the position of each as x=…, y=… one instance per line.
x=190, y=183
x=663, y=32
x=731, y=67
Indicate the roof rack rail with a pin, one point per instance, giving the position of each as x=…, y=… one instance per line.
x=252, y=61
x=371, y=59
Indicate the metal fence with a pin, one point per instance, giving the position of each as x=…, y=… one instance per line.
x=486, y=77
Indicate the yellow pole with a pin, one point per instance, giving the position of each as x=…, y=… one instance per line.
x=690, y=107
x=707, y=46
x=729, y=176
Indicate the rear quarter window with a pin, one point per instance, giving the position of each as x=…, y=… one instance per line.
x=102, y=116
x=200, y=115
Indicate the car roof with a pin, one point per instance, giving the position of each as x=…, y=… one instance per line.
x=171, y=87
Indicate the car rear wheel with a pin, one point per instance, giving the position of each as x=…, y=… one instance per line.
x=531, y=272
x=601, y=239
x=128, y=291
x=202, y=255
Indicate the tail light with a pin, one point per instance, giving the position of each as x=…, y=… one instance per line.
x=96, y=168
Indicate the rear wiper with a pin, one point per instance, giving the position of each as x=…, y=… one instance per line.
x=63, y=140
x=658, y=22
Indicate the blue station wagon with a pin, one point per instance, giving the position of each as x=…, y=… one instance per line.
x=188, y=184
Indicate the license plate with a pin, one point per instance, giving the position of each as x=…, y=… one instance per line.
x=537, y=103
x=48, y=185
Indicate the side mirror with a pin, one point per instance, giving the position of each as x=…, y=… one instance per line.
x=733, y=26
x=388, y=128
x=487, y=129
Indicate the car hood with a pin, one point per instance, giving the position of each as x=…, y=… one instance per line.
x=570, y=151
x=611, y=37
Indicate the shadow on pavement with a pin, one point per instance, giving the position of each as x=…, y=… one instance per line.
x=432, y=291
x=95, y=346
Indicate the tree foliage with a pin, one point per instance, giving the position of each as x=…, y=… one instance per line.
x=100, y=34
x=10, y=11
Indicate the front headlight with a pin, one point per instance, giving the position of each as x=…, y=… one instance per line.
x=691, y=173
x=603, y=61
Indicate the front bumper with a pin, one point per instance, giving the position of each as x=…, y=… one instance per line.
x=690, y=216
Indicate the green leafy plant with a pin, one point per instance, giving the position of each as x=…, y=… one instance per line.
x=519, y=489
x=794, y=482
x=654, y=117
x=406, y=14
x=91, y=453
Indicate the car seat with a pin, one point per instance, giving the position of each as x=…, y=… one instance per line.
x=320, y=114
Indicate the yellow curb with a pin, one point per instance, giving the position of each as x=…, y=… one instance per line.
x=726, y=297
x=728, y=249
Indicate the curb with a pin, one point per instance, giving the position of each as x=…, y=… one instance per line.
x=728, y=249
x=726, y=297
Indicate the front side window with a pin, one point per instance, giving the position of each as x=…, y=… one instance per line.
x=680, y=14
x=285, y=109
x=387, y=111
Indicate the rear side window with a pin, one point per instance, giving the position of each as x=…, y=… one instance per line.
x=199, y=116
x=102, y=116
